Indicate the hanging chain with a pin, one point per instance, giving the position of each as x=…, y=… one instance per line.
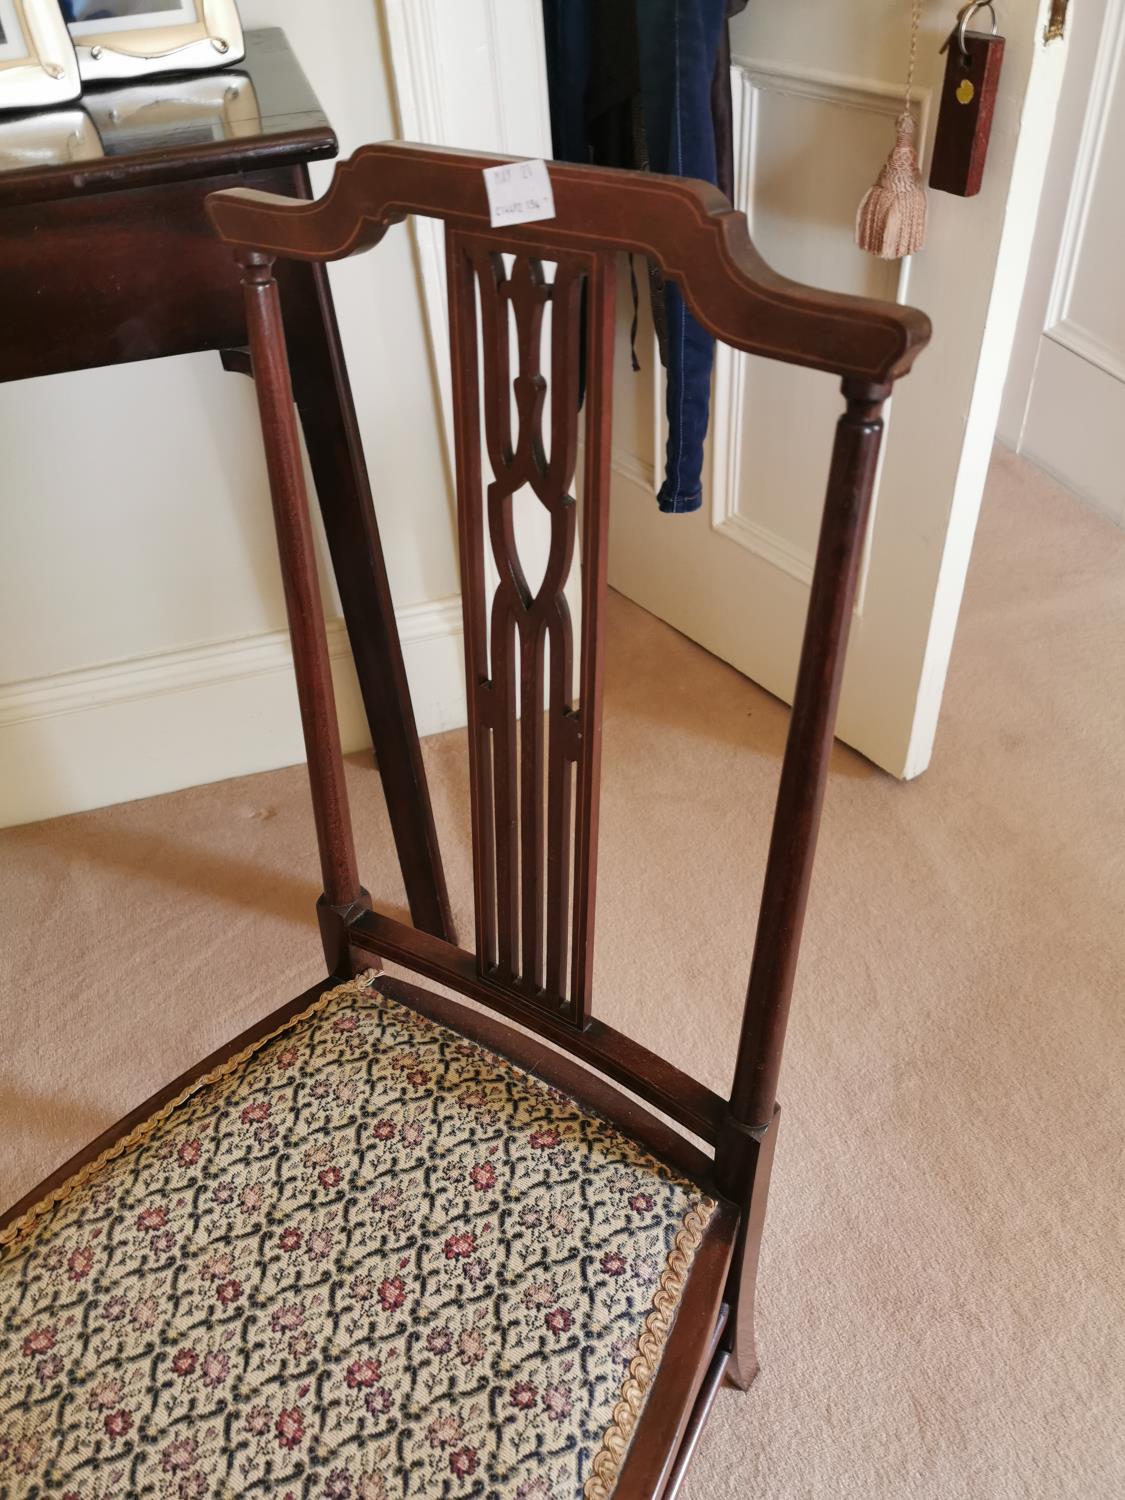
x=915, y=23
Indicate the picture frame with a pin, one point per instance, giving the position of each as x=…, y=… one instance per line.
x=123, y=39
x=38, y=65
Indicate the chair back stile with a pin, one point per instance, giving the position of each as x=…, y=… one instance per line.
x=534, y=777
x=303, y=603
x=804, y=770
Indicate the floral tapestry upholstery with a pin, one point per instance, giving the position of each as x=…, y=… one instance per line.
x=368, y=1260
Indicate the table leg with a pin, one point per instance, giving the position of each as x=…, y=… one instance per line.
x=327, y=412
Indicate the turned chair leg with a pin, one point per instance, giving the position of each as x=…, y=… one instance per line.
x=754, y=1166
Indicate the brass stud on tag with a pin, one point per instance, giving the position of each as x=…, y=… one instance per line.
x=965, y=91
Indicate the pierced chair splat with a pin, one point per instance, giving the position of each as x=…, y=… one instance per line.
x=386, y=1241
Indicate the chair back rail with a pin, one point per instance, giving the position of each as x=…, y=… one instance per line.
x=687, y=227
x=534, y=840
x=646, y=1074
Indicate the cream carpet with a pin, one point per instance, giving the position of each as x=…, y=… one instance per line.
x=942, y=1309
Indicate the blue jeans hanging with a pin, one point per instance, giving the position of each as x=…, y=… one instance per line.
x=614, y=65
x=679, y=40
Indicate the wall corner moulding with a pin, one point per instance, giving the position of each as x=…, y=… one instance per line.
x=161, y=722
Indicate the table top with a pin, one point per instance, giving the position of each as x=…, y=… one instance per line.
x=259, y=113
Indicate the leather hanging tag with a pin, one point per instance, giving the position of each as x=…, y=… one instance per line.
x=968, y=100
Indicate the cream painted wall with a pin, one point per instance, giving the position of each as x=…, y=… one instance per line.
x=141, y=619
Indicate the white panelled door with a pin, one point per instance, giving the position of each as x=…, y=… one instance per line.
x=817, y=86
x=1067, y=405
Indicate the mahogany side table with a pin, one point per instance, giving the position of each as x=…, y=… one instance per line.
x=104, y=243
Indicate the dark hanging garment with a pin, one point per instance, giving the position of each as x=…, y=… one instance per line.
x=593, y=80
x=679, y=42
x=646, y=84
x=613, y=86
x=566, y=36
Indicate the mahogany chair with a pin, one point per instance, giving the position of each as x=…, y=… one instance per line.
x=385, y=1244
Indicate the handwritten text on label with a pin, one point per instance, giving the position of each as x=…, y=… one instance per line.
x=519, y=193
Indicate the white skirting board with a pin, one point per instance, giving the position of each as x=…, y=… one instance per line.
x=153, y=724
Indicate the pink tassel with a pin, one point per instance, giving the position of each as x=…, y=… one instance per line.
x=891, y=221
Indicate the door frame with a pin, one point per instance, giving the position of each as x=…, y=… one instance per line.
x=1079, y=127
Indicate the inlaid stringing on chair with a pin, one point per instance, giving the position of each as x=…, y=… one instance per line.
x=358, y=1253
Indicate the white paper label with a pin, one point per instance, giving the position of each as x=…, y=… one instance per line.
x=519, y=193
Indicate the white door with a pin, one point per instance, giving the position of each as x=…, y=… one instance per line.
x=816, y=86
x=1065, y=402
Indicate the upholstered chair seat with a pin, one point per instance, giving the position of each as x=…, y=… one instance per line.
x=367, y=1258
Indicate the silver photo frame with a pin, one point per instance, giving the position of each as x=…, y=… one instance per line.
x=121, y=39
x=38, y=66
